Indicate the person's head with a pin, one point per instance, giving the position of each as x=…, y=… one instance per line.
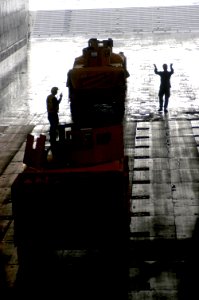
x=110, y=42
x=165, y=67
x=54, y=90
x=93, y=43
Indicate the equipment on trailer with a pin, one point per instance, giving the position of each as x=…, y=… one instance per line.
x=74, y=195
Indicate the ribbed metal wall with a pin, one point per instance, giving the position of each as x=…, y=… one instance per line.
x=14, y=22
x=116, y=20
x=14, y=28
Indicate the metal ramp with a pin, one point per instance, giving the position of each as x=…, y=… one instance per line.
x=164, y=181
x=60, y=23
x=50, y=23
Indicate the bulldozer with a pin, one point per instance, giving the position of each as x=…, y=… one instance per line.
x=97, y=82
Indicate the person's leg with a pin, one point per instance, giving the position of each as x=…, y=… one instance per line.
x=166, y=102
x=160, y=100
x=53, y=120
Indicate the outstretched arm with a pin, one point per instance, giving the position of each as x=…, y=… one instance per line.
x=171, y=67
x=60, y=97
x=155, y=69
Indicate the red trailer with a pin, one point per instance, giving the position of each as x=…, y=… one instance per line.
x=76, y=198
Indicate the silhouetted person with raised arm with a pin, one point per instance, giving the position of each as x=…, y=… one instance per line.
x=165, y=86
x=52, y=103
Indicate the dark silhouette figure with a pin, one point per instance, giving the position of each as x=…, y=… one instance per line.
x=52, y=104
x=165, y=85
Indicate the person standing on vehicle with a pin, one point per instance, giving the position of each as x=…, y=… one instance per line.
x=165, y=85
x=52, y=103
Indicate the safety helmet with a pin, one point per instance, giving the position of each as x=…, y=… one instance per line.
x=54, y=89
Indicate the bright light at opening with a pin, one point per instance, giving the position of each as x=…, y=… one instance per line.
x=85, y=4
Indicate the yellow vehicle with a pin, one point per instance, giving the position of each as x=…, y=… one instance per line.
x=98, y=77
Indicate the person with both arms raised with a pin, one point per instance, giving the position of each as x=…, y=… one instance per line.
x=165, y=86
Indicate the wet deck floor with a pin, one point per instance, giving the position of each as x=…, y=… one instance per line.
x=162, y=150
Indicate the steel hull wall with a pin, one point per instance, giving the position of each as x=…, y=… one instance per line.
x=14, y=20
